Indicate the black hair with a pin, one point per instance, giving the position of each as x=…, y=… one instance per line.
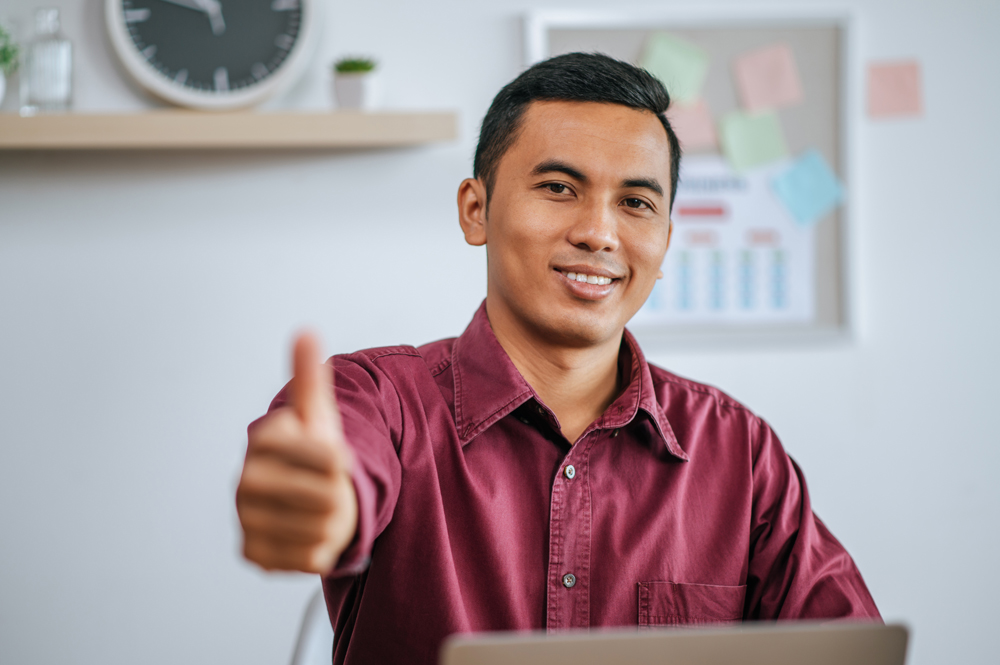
x=574, y=77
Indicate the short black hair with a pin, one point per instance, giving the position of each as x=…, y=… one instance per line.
x=573, y=77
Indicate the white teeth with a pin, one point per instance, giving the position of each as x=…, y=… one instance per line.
x=588, y=279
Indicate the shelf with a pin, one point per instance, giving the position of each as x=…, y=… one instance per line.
x=192, y=130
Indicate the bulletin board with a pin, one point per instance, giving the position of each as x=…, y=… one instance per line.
x=752, y=258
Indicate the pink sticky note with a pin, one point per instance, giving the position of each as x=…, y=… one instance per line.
x=693, y=125
x=767, y=78
x=894, y=89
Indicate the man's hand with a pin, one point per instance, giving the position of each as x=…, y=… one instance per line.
x=296, y=500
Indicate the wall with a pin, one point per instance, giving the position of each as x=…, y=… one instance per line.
x=147, y=300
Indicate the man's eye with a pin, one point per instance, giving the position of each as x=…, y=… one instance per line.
x=556, y=188
x=636, y=203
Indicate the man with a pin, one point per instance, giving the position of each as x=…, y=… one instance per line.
x=536, y=472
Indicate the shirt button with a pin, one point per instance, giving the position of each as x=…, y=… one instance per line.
x=540, y=410
x=614, y=433
x=569, y=580
x=570, y=471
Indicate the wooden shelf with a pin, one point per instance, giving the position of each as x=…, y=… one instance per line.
x=188, y=130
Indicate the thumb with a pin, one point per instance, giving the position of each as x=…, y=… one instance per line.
x=314, y=403
x=312, y=396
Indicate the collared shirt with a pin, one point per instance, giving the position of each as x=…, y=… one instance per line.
x=677, y=506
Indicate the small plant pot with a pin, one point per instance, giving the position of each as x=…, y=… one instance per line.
x=357, y=91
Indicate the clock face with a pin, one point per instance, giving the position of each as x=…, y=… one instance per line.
x=209, y=53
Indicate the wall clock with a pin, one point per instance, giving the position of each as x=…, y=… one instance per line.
x=213, y=54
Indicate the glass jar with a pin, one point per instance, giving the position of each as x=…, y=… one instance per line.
x=47, y=74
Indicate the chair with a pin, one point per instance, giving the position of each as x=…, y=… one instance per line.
x=314, y=645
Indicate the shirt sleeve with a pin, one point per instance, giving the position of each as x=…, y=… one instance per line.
x=797, y=569
x=371, y=415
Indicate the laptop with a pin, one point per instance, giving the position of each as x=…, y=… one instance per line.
x=799, y=643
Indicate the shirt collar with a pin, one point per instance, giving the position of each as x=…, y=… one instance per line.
x=488, y=387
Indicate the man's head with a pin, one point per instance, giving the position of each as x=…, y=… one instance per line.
x=574, y=77
x=575, y=174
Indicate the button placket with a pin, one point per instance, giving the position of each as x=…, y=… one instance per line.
x=557, y=518
x=568, y=589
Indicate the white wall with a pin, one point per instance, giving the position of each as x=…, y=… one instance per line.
x=146, y=303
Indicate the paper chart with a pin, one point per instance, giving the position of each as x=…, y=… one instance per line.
x=737, y=256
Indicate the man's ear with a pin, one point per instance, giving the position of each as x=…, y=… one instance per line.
x=472, y=210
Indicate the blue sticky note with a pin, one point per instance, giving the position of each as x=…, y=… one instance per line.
x=809, y=188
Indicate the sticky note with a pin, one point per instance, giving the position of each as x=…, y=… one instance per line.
x=752, y=139
x=693, y=125
x=894, y=89
x=768, y=78
x=809, y=188
x=680, y=65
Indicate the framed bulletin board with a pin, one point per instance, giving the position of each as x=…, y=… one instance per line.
x=762, y=242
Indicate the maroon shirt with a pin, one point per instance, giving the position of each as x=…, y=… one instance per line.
x=677, y=506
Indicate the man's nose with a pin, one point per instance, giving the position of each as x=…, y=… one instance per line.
x=595, y=227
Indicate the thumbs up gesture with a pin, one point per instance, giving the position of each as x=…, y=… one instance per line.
x=296, y=500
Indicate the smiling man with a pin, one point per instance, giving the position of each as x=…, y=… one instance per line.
x=536, y=472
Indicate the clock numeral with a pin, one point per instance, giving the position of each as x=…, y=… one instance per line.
x=258, y=70
x=181, y=77
x=284, y=5
x=137, y=15
x=284, y=42
x=149, y=51
x=221, y=79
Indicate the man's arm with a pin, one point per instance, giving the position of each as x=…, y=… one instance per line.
x=797, y=569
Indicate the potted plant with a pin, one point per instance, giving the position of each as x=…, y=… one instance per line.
x=355, y=83
x=8, y=59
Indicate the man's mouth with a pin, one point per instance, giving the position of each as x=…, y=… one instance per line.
x=588, y=279
x=583, y=275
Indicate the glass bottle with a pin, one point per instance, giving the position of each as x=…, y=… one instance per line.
x=47, y=77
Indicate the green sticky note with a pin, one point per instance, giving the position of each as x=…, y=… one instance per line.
x=752, y=139
x=680, y=65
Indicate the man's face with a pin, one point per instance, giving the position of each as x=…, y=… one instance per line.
x=581, y=197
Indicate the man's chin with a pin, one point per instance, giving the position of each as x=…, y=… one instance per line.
x=583, y=329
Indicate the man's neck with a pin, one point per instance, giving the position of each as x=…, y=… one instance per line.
x=577, y=383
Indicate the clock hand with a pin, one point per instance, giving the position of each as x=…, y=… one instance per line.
x=196, y=5
x=214, y=10
x=211, y=8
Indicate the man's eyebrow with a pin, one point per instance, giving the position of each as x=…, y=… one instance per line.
x=646, y=183
x=555, y=166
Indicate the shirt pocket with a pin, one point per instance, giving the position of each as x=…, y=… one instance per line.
x=670, y=604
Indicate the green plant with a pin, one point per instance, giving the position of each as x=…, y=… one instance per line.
x=354, y=65
x=9, y=52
